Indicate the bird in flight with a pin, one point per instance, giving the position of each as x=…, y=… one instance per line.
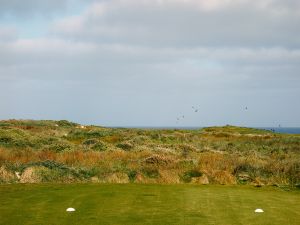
x=195, y=110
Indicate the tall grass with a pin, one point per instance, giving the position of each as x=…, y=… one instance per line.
x=223, y=155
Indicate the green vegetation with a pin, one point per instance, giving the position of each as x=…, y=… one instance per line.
x=146, y=204
x=62, y=151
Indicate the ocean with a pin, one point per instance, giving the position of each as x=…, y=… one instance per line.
x=283, y=130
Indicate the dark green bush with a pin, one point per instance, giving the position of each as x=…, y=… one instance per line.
x=60, y=147
x=132, y=175
x=66, y=123
x=125, y=146
x=85, y=134
x=188, y=175
x=150, y=172
x=48, y=164
x=15, y=138
x=100, y=146
x=90, y=141
x=88, y=173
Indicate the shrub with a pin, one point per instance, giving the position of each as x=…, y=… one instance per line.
x=60, y=147
x=85, y=134
x=188, y=175
x=90, y=141
x=100, y=146
x=88, y=173
x=150, y=172
x=125, y=146
x=48, y=164
x=14, y=138
x=65, y=123
x=293, y=174
x=132, y=175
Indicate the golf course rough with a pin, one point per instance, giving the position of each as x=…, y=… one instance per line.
x=115, y=204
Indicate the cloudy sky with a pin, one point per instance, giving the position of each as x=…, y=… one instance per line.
x=147, y=62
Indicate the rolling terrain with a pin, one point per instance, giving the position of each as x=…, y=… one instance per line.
x=65, y=152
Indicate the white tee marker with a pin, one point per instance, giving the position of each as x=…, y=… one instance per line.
x=259, y=211
x=70, y=210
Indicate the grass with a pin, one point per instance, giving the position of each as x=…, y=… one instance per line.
x=146, y=204
x=62, y=151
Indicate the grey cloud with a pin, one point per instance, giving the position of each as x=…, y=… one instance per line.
x=133, y=62
x=179, y=24
x=46, y=51
x=48, y=59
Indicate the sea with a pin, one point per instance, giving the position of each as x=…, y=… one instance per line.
x=283, y=130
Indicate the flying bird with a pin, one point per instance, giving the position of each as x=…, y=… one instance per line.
x=195, y=109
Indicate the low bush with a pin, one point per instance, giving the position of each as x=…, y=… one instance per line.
x=293, y=174
x=59, y=147
x=48, y=164
x=90, y=141
x=125, y=146
x=150, y=172
x=188, y=175
x=100, y=146
x=132, y=175
x=65, y=123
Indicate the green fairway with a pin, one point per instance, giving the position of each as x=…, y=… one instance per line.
x=147, y=204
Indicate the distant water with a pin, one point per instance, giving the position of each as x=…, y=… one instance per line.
x=283, y=130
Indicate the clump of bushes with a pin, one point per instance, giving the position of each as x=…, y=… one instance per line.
x=188, y=175
x=225, y=155
x=59, y=147
x=99, y=146
x=66, y=123
x=88, y=134
x=14, y=138
x=95, y=144
x=90, y=142
x=132, y=175
x=125, y=145
x=47, y=163
x=293, y=174
x=150, y=172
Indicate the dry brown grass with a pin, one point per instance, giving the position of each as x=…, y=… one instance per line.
x=223, y=155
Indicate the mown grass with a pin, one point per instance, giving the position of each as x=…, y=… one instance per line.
x=147, y=204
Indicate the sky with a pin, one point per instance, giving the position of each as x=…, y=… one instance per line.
x=149, y=62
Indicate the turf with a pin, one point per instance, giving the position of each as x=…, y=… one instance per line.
x=146, y=204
